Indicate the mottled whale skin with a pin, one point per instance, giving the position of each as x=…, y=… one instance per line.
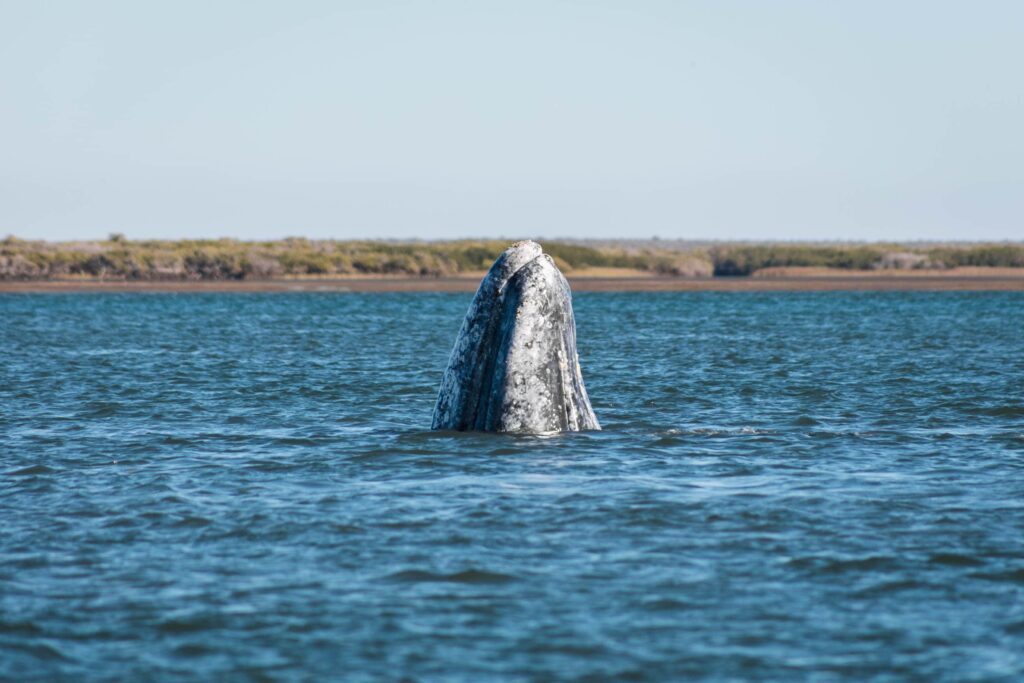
x=514, y=367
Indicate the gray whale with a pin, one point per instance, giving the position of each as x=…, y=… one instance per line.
x=514, y=367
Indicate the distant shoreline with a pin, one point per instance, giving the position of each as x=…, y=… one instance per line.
x=649, y=264
x=781, y=280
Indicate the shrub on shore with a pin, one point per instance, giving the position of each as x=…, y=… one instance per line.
x=996, y=255
x=747, y=259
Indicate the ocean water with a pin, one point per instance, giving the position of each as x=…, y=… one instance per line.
x=810, y=487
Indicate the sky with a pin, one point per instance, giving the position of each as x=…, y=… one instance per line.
x=856, y=120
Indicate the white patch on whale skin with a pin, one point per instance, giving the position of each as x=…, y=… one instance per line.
x=514, y=367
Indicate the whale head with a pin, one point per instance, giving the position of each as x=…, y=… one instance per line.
x=514, y=366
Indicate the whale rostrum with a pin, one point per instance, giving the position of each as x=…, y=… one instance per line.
x=514, y=367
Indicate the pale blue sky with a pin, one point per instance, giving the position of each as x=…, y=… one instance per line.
x=729, y=120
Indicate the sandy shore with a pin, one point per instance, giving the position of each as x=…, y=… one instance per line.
x=781, y=280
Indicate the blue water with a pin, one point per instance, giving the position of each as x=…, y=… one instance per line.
x=821, y=487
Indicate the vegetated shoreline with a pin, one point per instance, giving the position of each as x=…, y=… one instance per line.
x=298, y=264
